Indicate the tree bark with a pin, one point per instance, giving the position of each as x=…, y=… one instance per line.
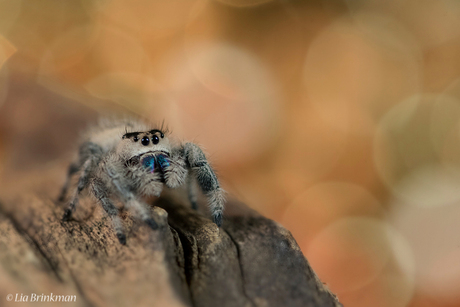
x=188, y=261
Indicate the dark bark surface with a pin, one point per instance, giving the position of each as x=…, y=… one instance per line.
x=251, y=261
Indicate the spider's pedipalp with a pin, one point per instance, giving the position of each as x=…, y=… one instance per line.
x=175, y=173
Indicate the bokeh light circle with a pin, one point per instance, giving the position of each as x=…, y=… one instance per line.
x=69, y=49
x=387, y=290
x=323, y=204
x=117, y=50
x=407, y=151
x=357, y=68
x=232, y=72
x=350, y=253
x=433, y=233
x=432, y=22
x=134, y=91
x=227, y=100
x=149, y=19
x=313, y=147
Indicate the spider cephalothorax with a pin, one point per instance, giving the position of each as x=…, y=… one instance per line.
x=115, y=163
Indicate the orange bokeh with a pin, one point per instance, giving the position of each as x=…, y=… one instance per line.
x=339, y=119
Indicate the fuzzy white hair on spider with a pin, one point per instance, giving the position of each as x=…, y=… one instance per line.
x=126, y=160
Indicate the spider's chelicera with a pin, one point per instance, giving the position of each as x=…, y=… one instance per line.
x=116, y=164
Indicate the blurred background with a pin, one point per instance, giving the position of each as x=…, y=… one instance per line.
x=340, y=119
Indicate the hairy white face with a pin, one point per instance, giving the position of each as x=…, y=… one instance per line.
x=138, y=143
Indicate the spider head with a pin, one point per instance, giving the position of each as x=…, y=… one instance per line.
x=138, y=143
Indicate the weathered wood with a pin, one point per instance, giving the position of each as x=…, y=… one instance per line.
x=251, y=261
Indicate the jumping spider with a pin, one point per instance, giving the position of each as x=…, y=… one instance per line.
x=115, y=163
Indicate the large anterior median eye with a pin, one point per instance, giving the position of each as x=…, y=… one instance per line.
x=145, y=141
x=155, y=139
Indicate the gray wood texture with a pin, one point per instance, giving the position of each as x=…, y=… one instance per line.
x=189, y=261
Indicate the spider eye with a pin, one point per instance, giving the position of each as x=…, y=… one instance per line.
x=162, y=135
x=136, y=139
x=155, y=139
x=145, y=141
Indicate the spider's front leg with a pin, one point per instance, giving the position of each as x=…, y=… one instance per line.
x=207, y=180
x=109, y=181
x=114, y=170
x=101, y=193
x=90, y=154
x=73, y=169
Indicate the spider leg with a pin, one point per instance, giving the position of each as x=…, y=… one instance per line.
x=101, y=193
x=207, y=180
x=90, y=154
x=130, y=200
x=73, y=168
x=192, y=191
x=82, y=183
